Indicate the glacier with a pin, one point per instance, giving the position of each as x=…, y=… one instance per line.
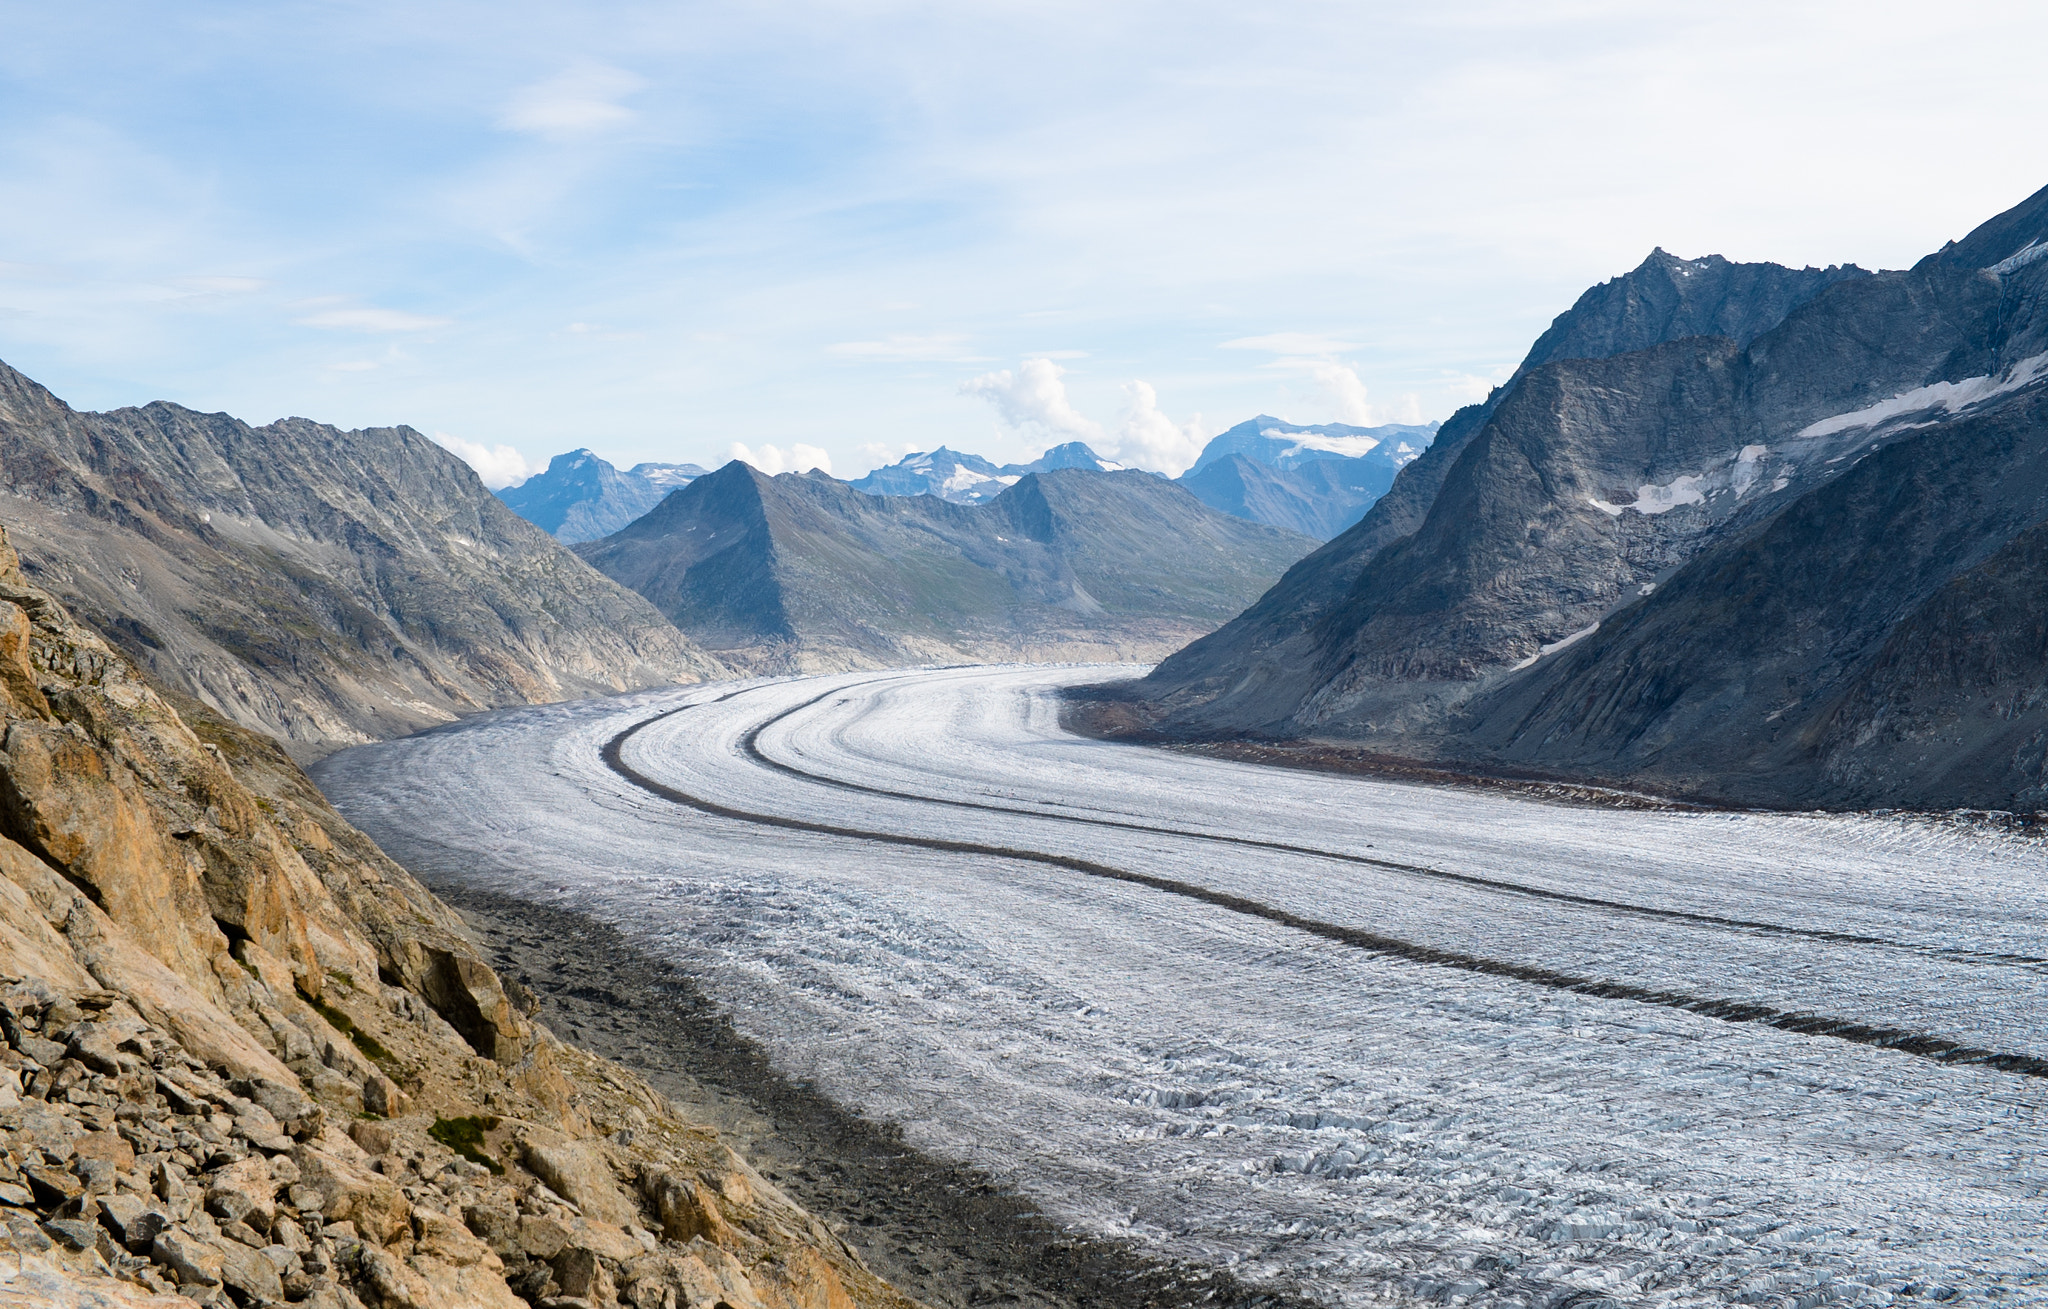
x=1539, y=1087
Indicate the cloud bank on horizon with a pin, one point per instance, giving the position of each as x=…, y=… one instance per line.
x=821, y=233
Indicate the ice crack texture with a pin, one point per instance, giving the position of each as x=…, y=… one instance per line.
x=1386, y=1042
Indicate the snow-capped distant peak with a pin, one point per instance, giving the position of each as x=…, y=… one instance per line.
x=1347, y=447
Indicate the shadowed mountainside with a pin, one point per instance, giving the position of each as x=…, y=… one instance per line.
x=800, y=571
x=1730, y=565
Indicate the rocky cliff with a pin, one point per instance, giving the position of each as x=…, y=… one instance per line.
x=321, y=586
x=1653, y=555
x=803, y=572
x=245, y=1059
x=1249, y=674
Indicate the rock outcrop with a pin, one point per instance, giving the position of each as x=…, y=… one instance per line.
x=246, y=1059
x=1712, y=538
x=321, y=586
x=802, y=572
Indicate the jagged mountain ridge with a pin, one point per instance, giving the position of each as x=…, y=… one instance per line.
x=580, y=497
x=1601, y=490
x=969, y=479
x=803, y=571
x=324, y=587
x=1240, y=677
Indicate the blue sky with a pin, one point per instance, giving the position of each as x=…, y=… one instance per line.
x=665, y=231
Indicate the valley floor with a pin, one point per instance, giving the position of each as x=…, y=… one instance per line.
x=1385, y=1042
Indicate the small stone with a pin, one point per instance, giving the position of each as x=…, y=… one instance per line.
x=247, y=1271
x=73, y=1232
x=186, y=1257
x=290, y=1235
x=375, y=1138
x=52, y=1186
x=244, y=1233
x=96, y=1175
x=94, y=1048
x=542, y=1238
x=16, y=1195
x=44, y=1052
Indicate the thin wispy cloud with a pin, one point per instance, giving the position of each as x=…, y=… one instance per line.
x=583, y=99
x=372, y=320
x=814, y=222
x=939, y=346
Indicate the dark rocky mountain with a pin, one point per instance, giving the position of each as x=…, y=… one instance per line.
x=322, y=586
x=969, y=479
x=801, y=571
x=582, y=497
x=1253, y=670
x=1717, y=563
x=1315, y=480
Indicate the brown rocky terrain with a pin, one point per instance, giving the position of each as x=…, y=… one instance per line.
x=246, y=1059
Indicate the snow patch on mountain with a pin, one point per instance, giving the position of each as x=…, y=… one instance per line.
x=1948, y=397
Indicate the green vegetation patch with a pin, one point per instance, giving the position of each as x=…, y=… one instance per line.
x=363, y=1041
x=465, y=1136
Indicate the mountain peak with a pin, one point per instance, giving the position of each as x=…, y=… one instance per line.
x=582, y=496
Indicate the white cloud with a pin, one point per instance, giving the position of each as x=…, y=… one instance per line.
x=354, y=366
x=1034, y=397
x=371, y=320
x=578, y=101
x=771, y=460
x=880, y=453
x=946, y=346
x=499, y=466
x=1149, y=439
x=1345, y=393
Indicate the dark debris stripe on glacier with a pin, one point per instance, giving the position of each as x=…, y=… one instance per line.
x=1921, y=1044
x=750, y=746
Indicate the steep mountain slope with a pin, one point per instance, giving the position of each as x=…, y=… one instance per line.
x=969, y=479
x=1733, y=570
x=1257, y=668
x=247, y=1059
x=801, y=571
x=325, y=587
x=582, y=497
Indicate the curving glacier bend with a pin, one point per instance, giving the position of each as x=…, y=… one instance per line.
x=1386, y=1042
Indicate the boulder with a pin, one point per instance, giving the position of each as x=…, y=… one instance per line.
x=247, y=1271
x=684, y=1206
x=582, y=1174
x=347, y=1193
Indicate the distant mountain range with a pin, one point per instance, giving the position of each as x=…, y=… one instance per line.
x=322, y=586
x=968, y=479
x=1313, y=480
x=804, y=572
x=581, y=497
x=1739, y=531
